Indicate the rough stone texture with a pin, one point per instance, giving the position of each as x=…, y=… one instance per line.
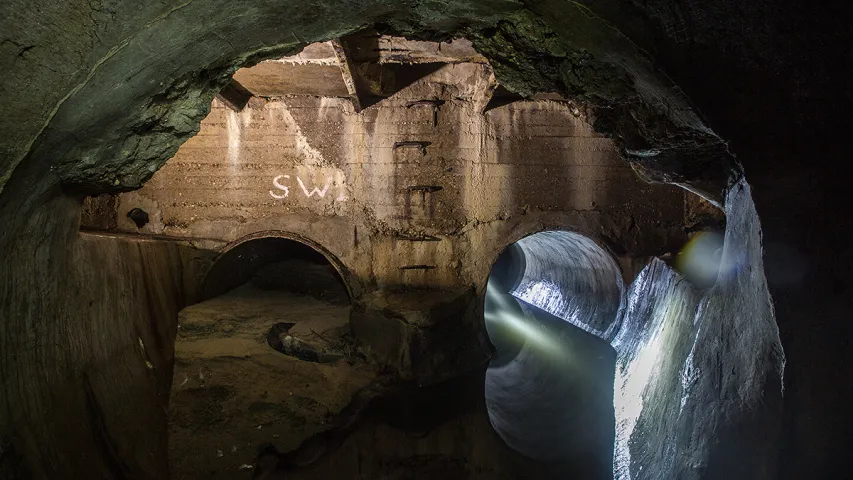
x=99, y=213
x=234, y=392
x=161, y=97
x=571, y=277
x=423, y=336
x=690, y=360
x=365, y=192
x=570, y=51
x=436, y=432
x=79, y=416
x=762, y=71
x=164, y=113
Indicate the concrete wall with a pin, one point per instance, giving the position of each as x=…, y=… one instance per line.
x=469, y=181
x=107, y=305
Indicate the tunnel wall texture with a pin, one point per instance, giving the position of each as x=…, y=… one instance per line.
x=314, y=167
x=690, y=361
x=549, y=388
x=761, y=71
x=569, y=276
x=93, y=405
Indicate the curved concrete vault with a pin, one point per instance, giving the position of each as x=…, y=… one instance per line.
x=99, y=97
x=552, y=304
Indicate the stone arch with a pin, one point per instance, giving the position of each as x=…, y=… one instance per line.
x=209, y=289
x=523, y=231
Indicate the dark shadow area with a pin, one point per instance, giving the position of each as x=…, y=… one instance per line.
x=502, y=97
x=268, y=356
x=276, y=264
x=405, y=431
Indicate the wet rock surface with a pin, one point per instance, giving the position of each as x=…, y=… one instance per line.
x=409, y=432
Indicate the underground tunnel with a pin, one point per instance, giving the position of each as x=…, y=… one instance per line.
x=442, y=240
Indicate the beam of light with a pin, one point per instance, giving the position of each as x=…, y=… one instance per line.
x=548, y=380
x=501, y=313
x=694, y=350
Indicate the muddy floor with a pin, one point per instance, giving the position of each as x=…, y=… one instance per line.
x=269, y=384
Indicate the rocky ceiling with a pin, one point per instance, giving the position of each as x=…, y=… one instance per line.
x=130, y=101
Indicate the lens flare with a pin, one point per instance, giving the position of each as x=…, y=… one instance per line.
x=700, y=259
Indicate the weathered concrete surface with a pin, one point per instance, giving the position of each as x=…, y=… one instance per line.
x=316, y=70
x=421, y=190
x=120, y=298
x=422, y=335
x=371, y=186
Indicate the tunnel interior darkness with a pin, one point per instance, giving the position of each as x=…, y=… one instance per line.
x=276, y=264
x=551, y=301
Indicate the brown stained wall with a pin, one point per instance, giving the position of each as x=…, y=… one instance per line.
x=514, y=170
x=99, y=412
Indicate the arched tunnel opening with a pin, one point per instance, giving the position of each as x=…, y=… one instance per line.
x=277, y=285
x=259, y=352
x=276, y=264
x=552, y=303
x=412, y=160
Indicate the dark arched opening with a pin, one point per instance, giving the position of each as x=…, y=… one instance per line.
x=275, y=263
x=268, y=348
x=552, y=302
x=275, y=289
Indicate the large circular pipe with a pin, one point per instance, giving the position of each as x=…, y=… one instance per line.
x=551, y=302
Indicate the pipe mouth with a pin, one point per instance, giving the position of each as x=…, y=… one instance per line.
x=552, y=304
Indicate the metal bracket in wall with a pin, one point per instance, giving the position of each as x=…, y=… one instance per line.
x=418, y=238
x=418, y=267
x=435, y=104
x=413, y=144
x=424, y=190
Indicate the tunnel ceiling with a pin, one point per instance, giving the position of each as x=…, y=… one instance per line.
x=134, y=83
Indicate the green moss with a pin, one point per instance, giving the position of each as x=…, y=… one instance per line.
x=529, y=57
x=524, y=52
